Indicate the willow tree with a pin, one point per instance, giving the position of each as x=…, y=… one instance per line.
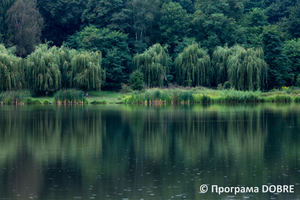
x=42, y=69
x=86, y=70
x=153, y=63
x=193, y=67
x=11, y=70
x=219, y=62
x=247, y=69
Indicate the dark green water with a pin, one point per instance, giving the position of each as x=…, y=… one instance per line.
x=140, y=152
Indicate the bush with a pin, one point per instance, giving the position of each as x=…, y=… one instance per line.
x=126, y=89
x=99, y=102
x=46, y=102
x=283, y=98
x=14, y=97
x=70, y=96
x=32, y=101
x=136, y=80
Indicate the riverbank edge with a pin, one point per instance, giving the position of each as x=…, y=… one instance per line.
x=175, y=96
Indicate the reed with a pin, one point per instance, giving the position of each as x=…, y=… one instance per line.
x=70, y=96
x=14, y=97
x=240, y=96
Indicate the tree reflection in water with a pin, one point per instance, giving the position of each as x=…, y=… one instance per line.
x=150, y=152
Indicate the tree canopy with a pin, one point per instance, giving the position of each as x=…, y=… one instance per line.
x=193, y=67
x=153, y=63
x=125, y=32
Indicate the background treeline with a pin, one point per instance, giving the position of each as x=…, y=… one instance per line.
x=246, y=44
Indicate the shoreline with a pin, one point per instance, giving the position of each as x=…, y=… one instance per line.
x=158, y=96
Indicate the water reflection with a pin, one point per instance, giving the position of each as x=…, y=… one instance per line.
x=142, y=152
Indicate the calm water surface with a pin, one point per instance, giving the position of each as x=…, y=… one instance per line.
x=141, y=152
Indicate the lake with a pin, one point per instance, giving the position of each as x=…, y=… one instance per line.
x=134, y=152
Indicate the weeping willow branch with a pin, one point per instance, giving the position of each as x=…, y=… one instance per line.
x=86, y=67
x=193, y=67
x=153, y=63
x=11, y=70
x=42, y=69
x=219, y=61
x=54, y=68
x=246, y=68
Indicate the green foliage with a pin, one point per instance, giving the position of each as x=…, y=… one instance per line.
x=69, y=96
x=4, y=6
x=282, y=98
x=298, y=81
x=126, y=89
x=219, y=62
x=174, y=23
x=144, y=20
x=42, y=69
x=293, y=22
x=136, y=80
x=14, y=97
x=62, y=18
x=253, y=4
x=292, y=50
x=247, y=69
x=46, y=102
x=11, y=70
x=255, y=21
x=114, y=48
x=240, y=96
x=32, y=101
x=120, y=29
x=278, y=10
x=24, y=26
x=107, y=13
x=99, y=102
x=193, y=67
x=87, y=71
x=188, y=5
x=54, y=68
x=153, y=63
x=278, y=71
x=214, y=23
x=183, y=44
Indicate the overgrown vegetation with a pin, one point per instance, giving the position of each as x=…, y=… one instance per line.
x=153, y=63
x=70, y=96
x=196, y=95
x=14, y=97
x=11, y=70
x=247, y=45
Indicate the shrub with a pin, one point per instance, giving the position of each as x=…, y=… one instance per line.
x=46, y=102
x=32, y=101
x=70, y=96
x=136, y=80
x=126, y=89
x=14, y=97
x=283, y=98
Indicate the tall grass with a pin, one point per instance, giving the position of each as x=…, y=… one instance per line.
x=160, y=97
x=70, y=96
x=240, y=96
x=184, y=96
x=14, y=97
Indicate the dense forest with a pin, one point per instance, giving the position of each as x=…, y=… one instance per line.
x=47, y=45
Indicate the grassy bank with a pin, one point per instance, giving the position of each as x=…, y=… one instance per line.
x=194, y=95
x=160, y=96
